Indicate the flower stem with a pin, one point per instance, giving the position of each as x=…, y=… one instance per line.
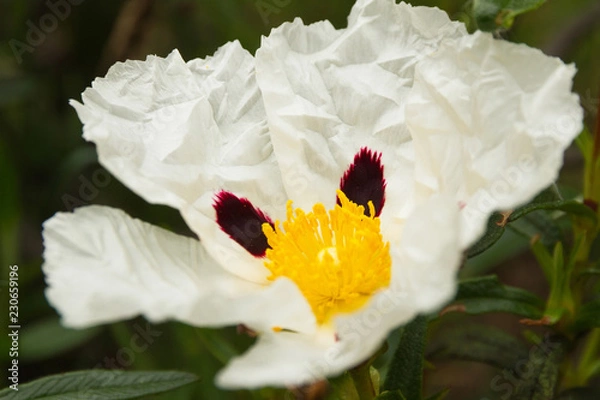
x=361, y=375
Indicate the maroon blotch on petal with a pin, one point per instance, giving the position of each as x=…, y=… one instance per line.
x=242, y=222
x=363, y=181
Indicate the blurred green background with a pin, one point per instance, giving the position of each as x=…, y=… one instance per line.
x=45, y=165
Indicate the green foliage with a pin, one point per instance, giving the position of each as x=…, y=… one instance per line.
x=494, y=231
x=42, y=156
x=493, y=14
x=480, y=343
x=550, y=199
x=405, y=374
x=539, y=379
x=487, y=294
x=108, y=385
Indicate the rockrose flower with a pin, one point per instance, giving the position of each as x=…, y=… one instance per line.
x=334, y=181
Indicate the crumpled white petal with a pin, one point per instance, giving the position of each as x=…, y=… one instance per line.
x=329, y=92
x=176, y=133
x=102, y=266
x=171, y=131
x=490, y=121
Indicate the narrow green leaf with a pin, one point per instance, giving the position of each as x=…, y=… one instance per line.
x=492, y=234
x=550, y=199
x=585, y=142
x=99, y=384
x=480, y=343
x=543, y=257
x=487, y=294
x=391, y=395
x=576, y=208
x=546, y=198
x=493, y=14
x=406, y=368
x=538, y=377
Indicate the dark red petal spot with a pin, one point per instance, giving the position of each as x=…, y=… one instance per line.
x=363, y=181
x=243, y=222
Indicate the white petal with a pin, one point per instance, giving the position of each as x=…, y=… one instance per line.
x=278, y=359
x=178, y=133
x=292, y=359
x=490, y=121
x=428, y=255
x=330, y=92
x=173, y=132
x=102, y=265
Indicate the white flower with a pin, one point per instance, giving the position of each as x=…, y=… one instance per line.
x=417, y=129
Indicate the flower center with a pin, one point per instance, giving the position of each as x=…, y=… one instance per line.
x=337, y=258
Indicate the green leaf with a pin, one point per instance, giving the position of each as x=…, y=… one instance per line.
x=488, y=294
x=585, y=142
x=546, y=198
x=391, y=395
x=588, y=316
x=342, y=387
x=493, y=233
x=480, y=343
x=406, y=368
x=493, y=14
x=543, y=257
x=550, y=199
x=100, y=384
x=538, y=377
x=48, y=338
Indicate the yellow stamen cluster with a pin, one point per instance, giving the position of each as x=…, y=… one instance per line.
x=337, y=258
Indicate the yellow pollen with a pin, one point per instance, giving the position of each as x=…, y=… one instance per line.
x=337, y=258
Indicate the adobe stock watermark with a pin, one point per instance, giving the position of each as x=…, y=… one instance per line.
x=37, y=32
x=508, y=381
x=266, y=8
x=140, y=342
